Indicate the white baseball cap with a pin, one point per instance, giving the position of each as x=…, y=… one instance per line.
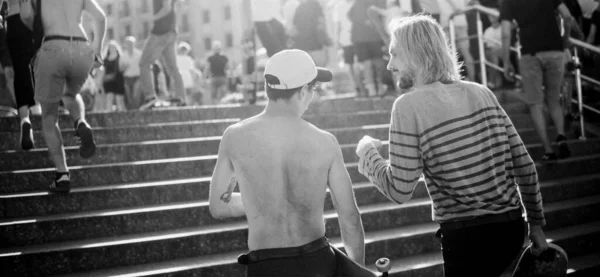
x=293, y=68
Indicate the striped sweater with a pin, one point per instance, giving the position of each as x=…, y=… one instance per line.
x=459, y=137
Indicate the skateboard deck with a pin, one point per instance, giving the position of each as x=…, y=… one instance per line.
x=550, y=263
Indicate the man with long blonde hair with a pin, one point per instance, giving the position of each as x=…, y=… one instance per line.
x=477, y=169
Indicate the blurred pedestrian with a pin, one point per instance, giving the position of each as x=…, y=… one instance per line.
x=131, y=57
x=113, y=81
x=542, y=63
x=160, y=44
x=16, y=68
x=217, y=72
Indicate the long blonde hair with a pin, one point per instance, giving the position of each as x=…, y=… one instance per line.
x=117, y=48
x=422, y=46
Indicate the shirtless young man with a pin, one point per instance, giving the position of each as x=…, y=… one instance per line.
x=61, y=68
x=18, y=38
x=283, y=165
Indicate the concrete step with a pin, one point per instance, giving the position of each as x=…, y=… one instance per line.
x=198, y=146
x=188, y=167
x=9, y=141
x=418, y=265
x=125, y=195
x=181, y=129
x=11, y=124
x=588, y=265
x=396, y=239
x=117, y=222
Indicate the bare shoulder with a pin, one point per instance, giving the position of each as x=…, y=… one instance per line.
x=325, y=137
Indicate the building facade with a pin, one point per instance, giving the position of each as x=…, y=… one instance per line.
x=200, y=23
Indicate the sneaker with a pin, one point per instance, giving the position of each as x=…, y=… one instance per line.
x=176, y=102
x=26, y=138
x=549, y=157
x=149, y=104
x=84, y=132
x=62, y=183
x=563, y=147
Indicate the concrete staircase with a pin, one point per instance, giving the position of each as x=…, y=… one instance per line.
x=139, y=207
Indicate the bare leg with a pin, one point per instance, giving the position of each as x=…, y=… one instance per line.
x=24, y=113
x=53, y=136
x=83, y=130
x=110, y=100
x=75, y=106
x=121, y=103
x=170, y=65
x=539, y=123
x=369, y=77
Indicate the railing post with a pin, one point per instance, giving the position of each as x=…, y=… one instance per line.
x=452, y=36
x=482, y=60
x=579, y=93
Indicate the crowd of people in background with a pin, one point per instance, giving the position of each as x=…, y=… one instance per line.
x=349, y=36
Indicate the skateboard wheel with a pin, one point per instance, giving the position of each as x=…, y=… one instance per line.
x=383, y=264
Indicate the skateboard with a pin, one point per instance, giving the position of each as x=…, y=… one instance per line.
x=550, y=263
x=383, y=265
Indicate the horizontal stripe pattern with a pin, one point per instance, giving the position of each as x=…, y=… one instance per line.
x=472, y=157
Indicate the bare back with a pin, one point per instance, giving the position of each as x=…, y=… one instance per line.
x=63, y=17
x=282, y=166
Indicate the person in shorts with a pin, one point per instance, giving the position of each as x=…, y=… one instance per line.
x=61, y=68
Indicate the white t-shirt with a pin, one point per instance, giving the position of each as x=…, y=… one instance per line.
x=340, y=14
x=406, y=5
x=132, y=63
x=391, y=13
x=186, y=65
x=493, y=37
x=265, y=10
x=448, y=7
x=289, y=10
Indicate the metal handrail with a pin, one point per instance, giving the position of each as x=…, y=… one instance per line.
x=483, y=62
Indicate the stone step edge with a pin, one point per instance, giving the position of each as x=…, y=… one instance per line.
x=365, y=208
x=388, y=233
x=214, y=157
x=121, y=144
x=206, y=180
x=398, y=265
x=162, y=124
x=217, y=121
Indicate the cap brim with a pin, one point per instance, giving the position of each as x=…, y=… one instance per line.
x=324, y=75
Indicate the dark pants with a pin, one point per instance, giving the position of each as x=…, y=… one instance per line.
x=312, y=259
x=483, y=250
x=20, y=46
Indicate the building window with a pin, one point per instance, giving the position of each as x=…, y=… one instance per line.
x=125, y=11
x=110, y=33
x=109, y=9
x=144, y=7
x=206, y=16
x=229, y=40
x=127, y=30
x=227, y=12
x=146, y=29
x=207, y=44
x=185, y=23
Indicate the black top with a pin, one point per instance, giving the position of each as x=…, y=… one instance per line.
x=574, y=9
x=117, y=84
x=362, y=29
x=538, y=25
x=166, y=23
x=217, y=63
x=306, y=21
x=596, y=21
